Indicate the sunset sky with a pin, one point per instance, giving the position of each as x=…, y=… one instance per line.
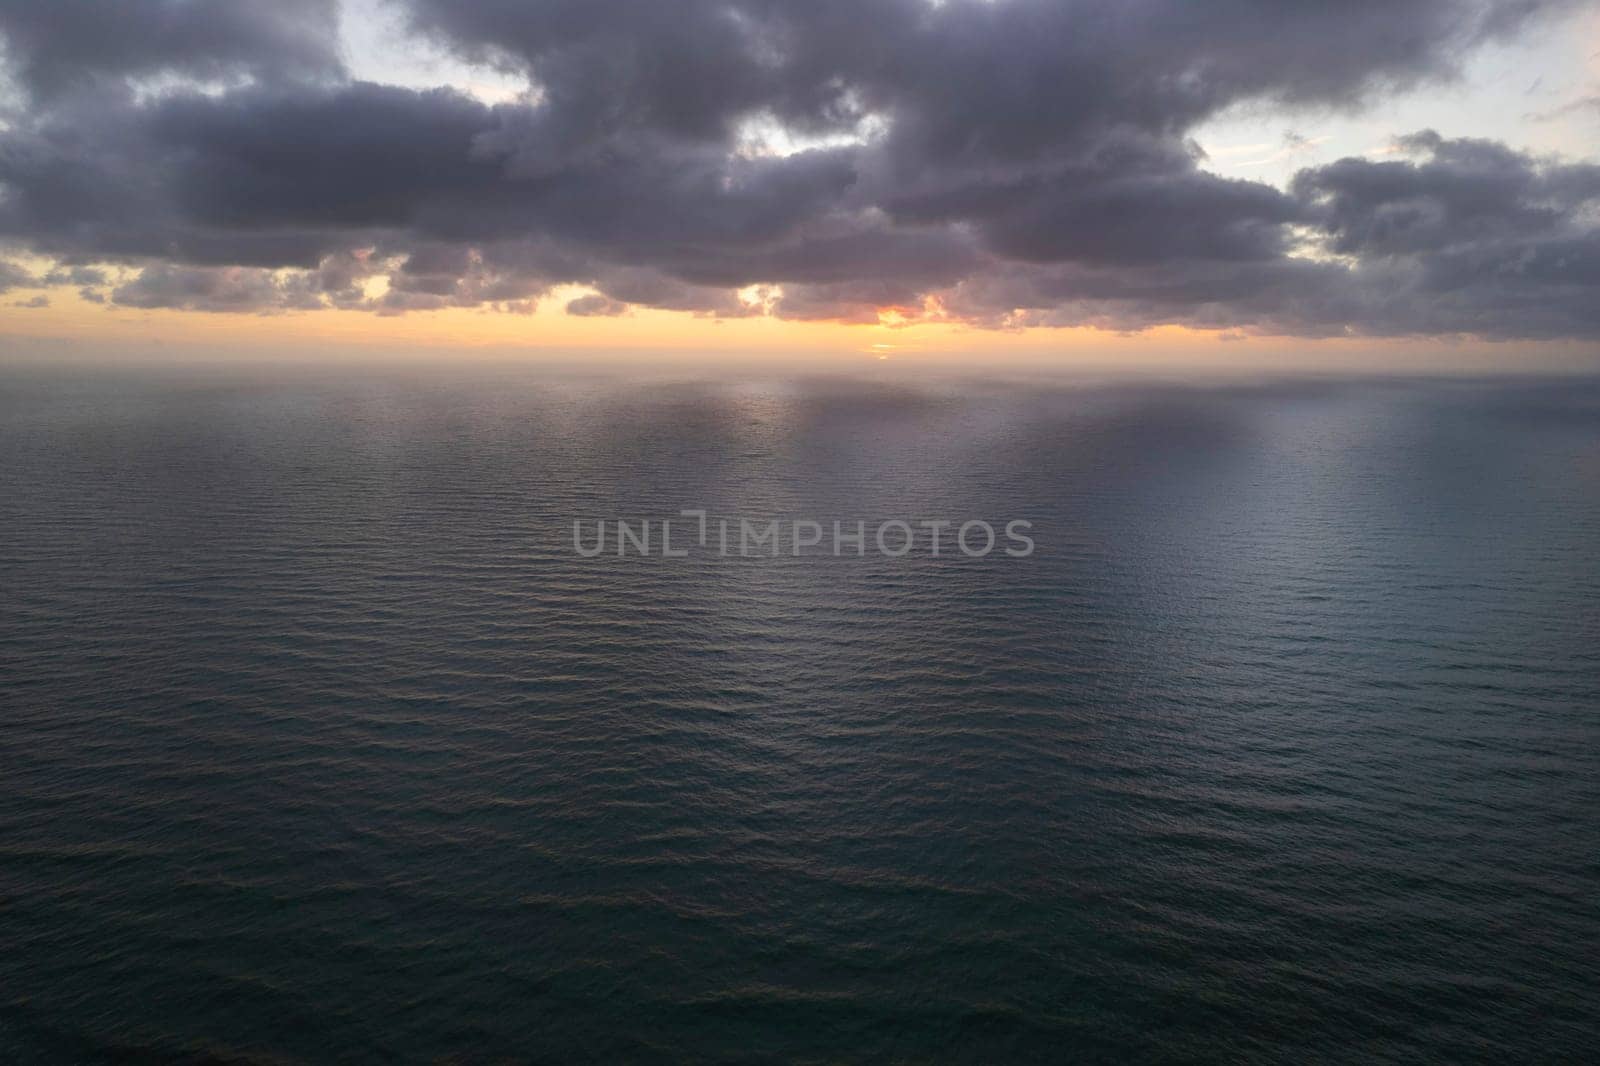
x=1351, y=183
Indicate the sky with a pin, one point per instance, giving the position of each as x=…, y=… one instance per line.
x=1412, y=182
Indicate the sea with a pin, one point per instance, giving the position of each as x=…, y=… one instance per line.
x=321, y=740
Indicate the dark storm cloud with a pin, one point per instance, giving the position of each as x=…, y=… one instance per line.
x=60, y=46
x=260, y=176
x=1011, y=162
x=1144, y=218
x=967, y=80
x=1467, y=237
x=1462, y=193
x=1475, y=236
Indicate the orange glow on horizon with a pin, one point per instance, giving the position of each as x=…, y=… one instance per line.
x=70, y=317
x=70, y=324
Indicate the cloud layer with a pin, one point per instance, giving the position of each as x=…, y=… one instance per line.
x=1001, y=163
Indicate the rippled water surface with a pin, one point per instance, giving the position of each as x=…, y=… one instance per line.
x=319, y=743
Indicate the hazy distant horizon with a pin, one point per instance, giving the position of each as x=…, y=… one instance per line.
x=1354, y=359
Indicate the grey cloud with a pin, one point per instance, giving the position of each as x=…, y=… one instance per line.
x=13, y=276
x=1471, y=237
x=214, y=289
x=595, y=304
x=1465, y=193
x=461, y=277
x=966, y=80
x=75, y=275
x=652, y=288
x=57, y=47
x=1028, y=162
x=1145, y=218
x=1295, y=296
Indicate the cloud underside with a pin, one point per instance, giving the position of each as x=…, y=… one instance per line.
x=1006, y=163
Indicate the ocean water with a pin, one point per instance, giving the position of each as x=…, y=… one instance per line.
x=319, y=742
